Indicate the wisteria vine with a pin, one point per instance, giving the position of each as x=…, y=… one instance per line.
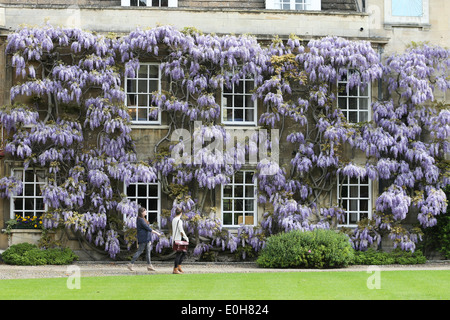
x=69, y=118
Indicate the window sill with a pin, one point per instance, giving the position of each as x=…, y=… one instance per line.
x=423, y=26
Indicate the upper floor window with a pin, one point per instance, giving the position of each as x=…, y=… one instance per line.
x=30, y=202
x=407, y=8
x=354, y=194
x=354, y=102
x=294, y=4
x=239, y=200
x=139, y=92
x=409, y=13
x=238, y=107
x=149, y=3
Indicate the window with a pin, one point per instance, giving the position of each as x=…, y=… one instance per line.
x=239, y=200
x=354, y=194
x=354, y=102
x=294, y=4
x=147, y=195
x=139, y=92
x=407, y=13
x=407, y=8
x=30, y=202
x=238, y=107
x=149, y=3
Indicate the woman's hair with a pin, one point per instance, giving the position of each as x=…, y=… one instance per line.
x=141, y=213
x=178, y=211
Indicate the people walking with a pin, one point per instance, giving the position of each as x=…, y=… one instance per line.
x=144, y=238
x=177, y=234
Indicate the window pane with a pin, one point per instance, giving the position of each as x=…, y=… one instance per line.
x=142, y=86
x=142, y=190
x=239, y=191
x=249, y=191
x=142, y=114
x=227, y=191
x=153, y=86
x=363, y=116
x=249, y=205
x=154, y=71
x=143, y=72
x=363, y=103
x=364, y=192
x=344, y=192
x=153, y=190
x=407, y=8
x=364, y=205
x=143, y=100
x=353, y=205
x=353, y=217
x=152, y=204
x=227, y=205
x=352, y=104
x=238, y=205
x=239, y=177
x=353, y=117
x=227, y=218
x=238, y=115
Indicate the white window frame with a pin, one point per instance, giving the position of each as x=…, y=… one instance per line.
x=148, y=94
x=351, y=184
x=408, y=21
x=244, y=198
x=24, y=197
x=245, y=94
x=146, y=198
x=357, y=94
x=171, y=3
x=310, y=5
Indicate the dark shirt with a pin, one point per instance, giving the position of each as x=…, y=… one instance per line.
x=144, y=232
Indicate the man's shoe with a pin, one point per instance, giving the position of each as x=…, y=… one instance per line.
x=150, y=268
x=130, y=267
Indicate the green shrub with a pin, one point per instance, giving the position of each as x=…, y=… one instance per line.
x=311, y=249
x=30, y=255
x=372, y=257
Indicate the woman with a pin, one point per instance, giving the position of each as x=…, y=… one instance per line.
x=177, y=234
x=144, y=237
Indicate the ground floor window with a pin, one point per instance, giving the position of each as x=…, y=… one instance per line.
x=354, y=194
x=239, y=200
x=147, y=195
x=30, y=202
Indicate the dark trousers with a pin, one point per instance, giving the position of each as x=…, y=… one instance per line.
x=179, y=258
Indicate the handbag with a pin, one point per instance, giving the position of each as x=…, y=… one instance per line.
x=180, y=245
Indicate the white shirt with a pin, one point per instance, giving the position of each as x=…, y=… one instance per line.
x=177, y=229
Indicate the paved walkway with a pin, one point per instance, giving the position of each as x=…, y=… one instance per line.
x=93, y=269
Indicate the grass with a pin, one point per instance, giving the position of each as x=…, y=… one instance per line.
x=242, y=286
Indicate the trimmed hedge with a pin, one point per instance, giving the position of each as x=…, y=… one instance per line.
x=372, y=257
x=311, y=249
x=27, y=254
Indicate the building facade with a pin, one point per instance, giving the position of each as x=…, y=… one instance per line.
x=389, y=25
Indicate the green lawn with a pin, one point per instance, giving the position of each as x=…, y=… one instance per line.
x=242, y=286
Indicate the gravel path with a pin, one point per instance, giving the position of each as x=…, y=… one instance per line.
x=90, y=269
